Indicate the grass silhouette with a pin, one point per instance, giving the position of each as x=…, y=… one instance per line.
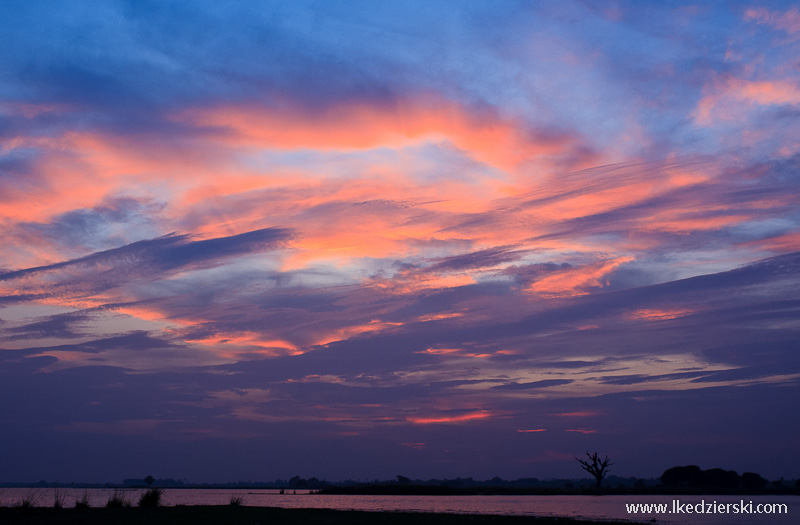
x=118, y=500
x=151, y=498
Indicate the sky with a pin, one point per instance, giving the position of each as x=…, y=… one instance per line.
x=253, y=240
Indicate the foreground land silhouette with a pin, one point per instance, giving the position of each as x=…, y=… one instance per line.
x=233, y=515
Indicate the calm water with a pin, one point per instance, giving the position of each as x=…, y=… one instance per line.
x=595, y=507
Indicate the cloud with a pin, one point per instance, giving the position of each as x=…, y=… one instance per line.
x=501, y=143
x=636, y=378
x=60, y=326
x=576, y=281
x=166, y=253
x=450, y=419
x=545, y=383
x=729, y=98
x=788, y=21
x=95, y=228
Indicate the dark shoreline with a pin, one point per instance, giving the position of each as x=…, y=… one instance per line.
x=433, y=490
x=235, y=515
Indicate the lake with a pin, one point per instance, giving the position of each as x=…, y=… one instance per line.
x=589, y=507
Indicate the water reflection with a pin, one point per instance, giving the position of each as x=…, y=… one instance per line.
x=589, y=507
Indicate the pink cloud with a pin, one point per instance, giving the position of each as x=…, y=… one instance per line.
x=788, y=21
x=789, y=242
x=729, y=98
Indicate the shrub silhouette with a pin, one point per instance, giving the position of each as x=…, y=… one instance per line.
x=83, y=503
x=118, y=500
x=27, y=502
x=151, y=498
x=58, y=498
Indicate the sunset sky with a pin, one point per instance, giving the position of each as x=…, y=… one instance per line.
x=253, y=240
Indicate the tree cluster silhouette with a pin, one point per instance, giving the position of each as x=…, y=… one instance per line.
x=693, y=476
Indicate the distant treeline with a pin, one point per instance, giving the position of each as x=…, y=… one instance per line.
x=676, y=480
x=316, y=484
x=689, y=479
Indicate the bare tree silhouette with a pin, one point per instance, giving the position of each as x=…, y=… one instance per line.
x=595, y=466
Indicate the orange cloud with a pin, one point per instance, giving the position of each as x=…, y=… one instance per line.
x=575, y=281
x=339, y=221
x=767, y=92
x=230, y=344
x=483, y=414
x=78, y=170
x=463, y=353
x=673, y=223
x=502, y=143
x=409, y=284
x=533, y=430
x=658, y=315
x=595, y=202
x=63, y=190
x=147, y=313
x=347, y=332
x=597, y=191
x=439, y=317
x=582, y=413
